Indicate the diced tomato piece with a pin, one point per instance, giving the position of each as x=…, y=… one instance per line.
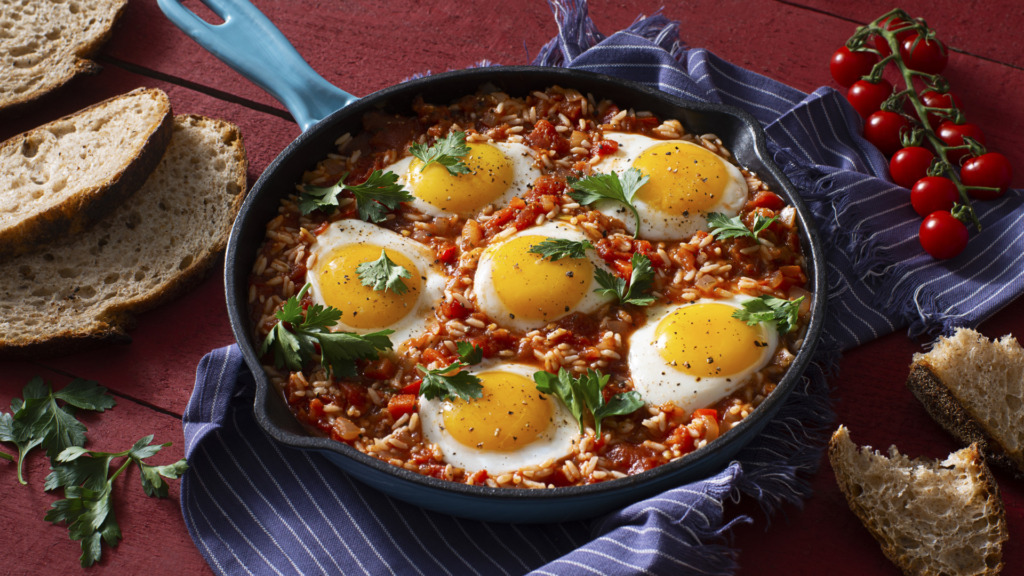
x=355, y=395
x=477, y=478
x=766, y=199
x=316, y=409
x=413, y=387
x=604, y=148
x=680, y=437
x=707, y=412
x=545, y=137
x=382, y=369
x=322, y=228
x=432, y=355
x=454, y=309
x=447, y=253
x=401, y=404
x=547, y=185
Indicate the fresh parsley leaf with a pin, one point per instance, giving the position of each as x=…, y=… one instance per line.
x=470, y=353
x=620, y=188
x=782, y=313
x=45, y=418
x=448, y=152
x=723, y=226
x=294, y=338
x=379, y=195
x=87, y=507
x=636, y=290
x=586, y=391
x=383, y=274
x=555, y=249
x=448, y=382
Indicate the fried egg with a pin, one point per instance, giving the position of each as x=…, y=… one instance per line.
x=523, y=290
x=335, y=282
x=499, y=171
x=687, y=181
x=511, y=426
x=695, y=354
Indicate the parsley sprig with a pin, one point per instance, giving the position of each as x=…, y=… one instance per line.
x=295, y=337
x=88, y=506
x=620, y=188
x=723, y=226
x=555, y=249
x=452, y=381
x=448, y=152
x=782, y=313
x=584, y=394
x=46, y=419
x=383, y=274
x=470, y=353
x=379, y=195
x=637, y=290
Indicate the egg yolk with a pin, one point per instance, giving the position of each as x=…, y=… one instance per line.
x=533, y=287
x=510, y=414
x=362, y=307
x=490, y=175
x=684, y=178
x=704, y=340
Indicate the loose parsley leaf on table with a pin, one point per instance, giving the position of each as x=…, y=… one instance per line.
x=383, y=274
x=620, y=188
x=723, y=226
x=448, y=152
x=376, y=197
x=585, y=393
x=87, y=507
x=636, y=290
x=39, y=420
x=554, y=249
x=450, y=381
x=294, y=338
x=782, y=313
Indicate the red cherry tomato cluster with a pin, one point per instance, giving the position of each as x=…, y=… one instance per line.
x=934, y=152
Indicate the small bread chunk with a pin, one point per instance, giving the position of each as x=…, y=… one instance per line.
x=61, y=177
x=974, y=388
x=87, y=288
x=45, y=44
x=930, y=517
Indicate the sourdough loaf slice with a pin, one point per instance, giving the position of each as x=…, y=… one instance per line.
x=61, y=177
x=45, y=44
x=974, y=388
x=930, y=517
x=88, y=287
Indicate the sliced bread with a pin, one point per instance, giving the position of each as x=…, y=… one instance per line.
x=88, y=287
x=45, y=44
x=974, y=388
x=61, y=177
x=930, y=517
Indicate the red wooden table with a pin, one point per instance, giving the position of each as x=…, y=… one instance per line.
x=363, y=46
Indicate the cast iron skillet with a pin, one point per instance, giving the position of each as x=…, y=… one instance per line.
x=248, y=42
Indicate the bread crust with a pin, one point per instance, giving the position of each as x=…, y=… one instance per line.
x=947, y=411
x=80, y=211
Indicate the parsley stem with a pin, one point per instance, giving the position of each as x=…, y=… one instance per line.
x=6, y=456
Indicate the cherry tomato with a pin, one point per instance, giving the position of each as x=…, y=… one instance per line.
x=942, y=235
x=928, y=56
x=953, y=135
x=910, y=165
x=883, y=129
x=847, y=66
x=991, y=170
x=905, y=29
x=866, y=98
x=932, y=194
x=933, y=99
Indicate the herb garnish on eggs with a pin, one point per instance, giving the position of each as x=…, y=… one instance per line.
x=554, y=249
x=447, y=151
x=584, y=394
x=621, y=188
x=376, y=197
x=295, y=346
x=782, y=313
x=383, y=274
x=636, y=290
x=723, y=226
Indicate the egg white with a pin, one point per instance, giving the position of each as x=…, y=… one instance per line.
x=350, y=232
x=557, y=440
x=660, y=383
x=524, y=173
x=490, y=302
x=657, y=225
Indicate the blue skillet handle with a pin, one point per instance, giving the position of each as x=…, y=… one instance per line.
x=248, y=42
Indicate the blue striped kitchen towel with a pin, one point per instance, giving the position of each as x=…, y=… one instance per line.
x=255, y=507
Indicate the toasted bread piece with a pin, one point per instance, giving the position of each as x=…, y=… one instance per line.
x=58, y=179
x=45, y=44
x=87, y=288
x=974, y=388
x=930, y=517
